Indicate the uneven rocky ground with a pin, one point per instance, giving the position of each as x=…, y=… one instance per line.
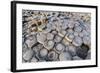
x=55, y=36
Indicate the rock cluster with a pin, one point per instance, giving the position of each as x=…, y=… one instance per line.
x=55, y=36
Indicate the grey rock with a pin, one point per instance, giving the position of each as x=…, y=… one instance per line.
x=72, y=50
x=65, y=56
x=60, y=47
x=88, y=55
x=40, y=46
x=30, y=41
x=41, y=37
x=82, y=51
x=50, y=36
x=76, y=23
x=64, y=26
x=52, y=55
x=43, y=52
x=54, y=32
x=77, y=41
x=23, y=61
x=87, y=40
x=76, y=33
x=49, y=44
x=81, y=34
x=65, y=42
x=85, y=33
x=28, y=55
x=63, y=32
x=57, y=38
x=77, y=29
x=71, y=36
x=24, y=48
x=71, y=24
x=77, y=58
x=70, y=31
x=49, y=25
x=34, y=59
x=66, y=49
x=48, y=29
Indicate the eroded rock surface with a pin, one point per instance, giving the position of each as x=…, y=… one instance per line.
x=55, y=36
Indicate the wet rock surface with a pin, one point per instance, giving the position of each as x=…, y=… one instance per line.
x=55, y=36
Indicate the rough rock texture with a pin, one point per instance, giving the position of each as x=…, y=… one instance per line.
x=55, y=36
